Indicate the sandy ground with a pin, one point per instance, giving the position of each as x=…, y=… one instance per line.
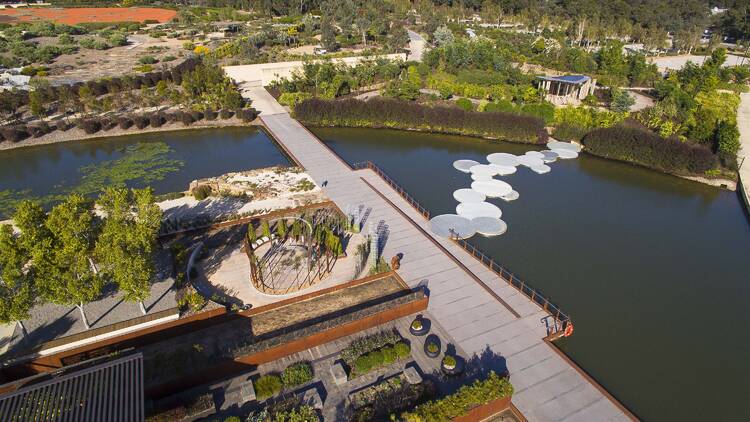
x=229, y=274
x=89, y=64
x=641, y=101
x=677, y=62
x=279, y=194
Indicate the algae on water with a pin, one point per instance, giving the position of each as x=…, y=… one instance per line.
x=142, y=163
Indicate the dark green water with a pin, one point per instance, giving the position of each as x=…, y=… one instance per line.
x=654, y=270
x=167, y=161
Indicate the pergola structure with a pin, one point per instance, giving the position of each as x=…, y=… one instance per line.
x=566, y=89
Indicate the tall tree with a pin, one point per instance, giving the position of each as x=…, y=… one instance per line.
x=16, y=280
x=125, y=247
x=66, y=273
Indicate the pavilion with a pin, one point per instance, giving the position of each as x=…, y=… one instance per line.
x=567, y=89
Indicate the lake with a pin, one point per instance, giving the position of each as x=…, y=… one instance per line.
x=651, y=268
x=166, y=161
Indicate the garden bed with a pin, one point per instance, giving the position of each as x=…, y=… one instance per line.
x=391, y=395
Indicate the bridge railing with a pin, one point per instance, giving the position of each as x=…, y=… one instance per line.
x=560, y=319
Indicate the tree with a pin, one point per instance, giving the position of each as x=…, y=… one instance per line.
x=66, y=273
x=125, y=247
x=621, y=101
x=443, y=36
x=328, y=35
x=16, y=280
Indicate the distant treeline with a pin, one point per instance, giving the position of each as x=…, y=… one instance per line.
x=639, y=146
x=399, y=114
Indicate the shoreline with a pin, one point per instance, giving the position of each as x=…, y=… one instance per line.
x=76, y=134
x=726, y=184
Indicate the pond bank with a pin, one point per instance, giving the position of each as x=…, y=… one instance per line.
x=77, y=134
x=716, y=182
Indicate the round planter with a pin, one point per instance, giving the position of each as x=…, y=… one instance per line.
x=436, y=340
x=423, y=330
x=456, y=370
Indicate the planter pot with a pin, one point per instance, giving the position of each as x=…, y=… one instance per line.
x=424, y=329
x=435, y=340
x=457, y=369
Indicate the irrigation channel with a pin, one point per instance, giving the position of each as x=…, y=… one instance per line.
x=166, y=161
x=652, y=268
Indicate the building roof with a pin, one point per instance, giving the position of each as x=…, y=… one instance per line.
x=568, y=79
x=110, y=391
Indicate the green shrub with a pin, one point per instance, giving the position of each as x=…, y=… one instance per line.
x=202, y=192
x=291, y=99
x=267, y=386
x=363, y=364
x=389, y=355
x=432, y=347
x=297, y=374
x=364, y=345
x=392, y=113
x=303, y=413
x=466, y=398
x=376, y=358
x=147, y=60
x=465, y=104
x=649, y=149
x=233, y=419
x=402, y=349
x=449, y=361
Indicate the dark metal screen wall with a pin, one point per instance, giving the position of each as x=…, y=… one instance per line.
x=108, y=392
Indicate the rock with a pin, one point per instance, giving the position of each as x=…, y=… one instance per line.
x=247, y=392
x=339, y=374
x=412, y=376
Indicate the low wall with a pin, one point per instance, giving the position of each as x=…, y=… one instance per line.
x=484, y=411
x=265, y=73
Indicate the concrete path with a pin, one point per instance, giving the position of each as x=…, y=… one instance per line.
x=479, y=310
x=417, y=46
x=743, y=124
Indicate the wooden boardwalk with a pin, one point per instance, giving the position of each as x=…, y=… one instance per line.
x=481, y=312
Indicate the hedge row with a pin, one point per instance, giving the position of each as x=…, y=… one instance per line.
x=91, y=125
x=106, y=85
x=399, y=114
x=649, y=149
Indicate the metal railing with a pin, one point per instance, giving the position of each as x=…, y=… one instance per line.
x=560, y=319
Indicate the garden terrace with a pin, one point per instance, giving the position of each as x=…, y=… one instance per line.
x=270, y=332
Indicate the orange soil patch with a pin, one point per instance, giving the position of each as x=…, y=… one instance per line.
x=74, y=16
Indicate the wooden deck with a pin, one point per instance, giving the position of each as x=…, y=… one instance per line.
x=478, y=309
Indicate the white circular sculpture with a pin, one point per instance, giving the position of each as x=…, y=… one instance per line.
x=452, y=225
x=483, y=169
x=529, y=161
x=553, y=145
x=503, y=170
x=512, y=196
x=541, y=169
x=488, y=226
x=536, y=154
x=476, y=176
x=492, y=188
x=468, y=195
x=503, y=159
x=464, y=165
x=565, y=154
x=473, y=210
x=549, y=156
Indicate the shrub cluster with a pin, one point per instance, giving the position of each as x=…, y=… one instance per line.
x=297, y=374
x=649, y=149
x=461, y=402
x=384, y=356
x=202, y=192
x=398, y=114
x=364, y=345
x=267, y=386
